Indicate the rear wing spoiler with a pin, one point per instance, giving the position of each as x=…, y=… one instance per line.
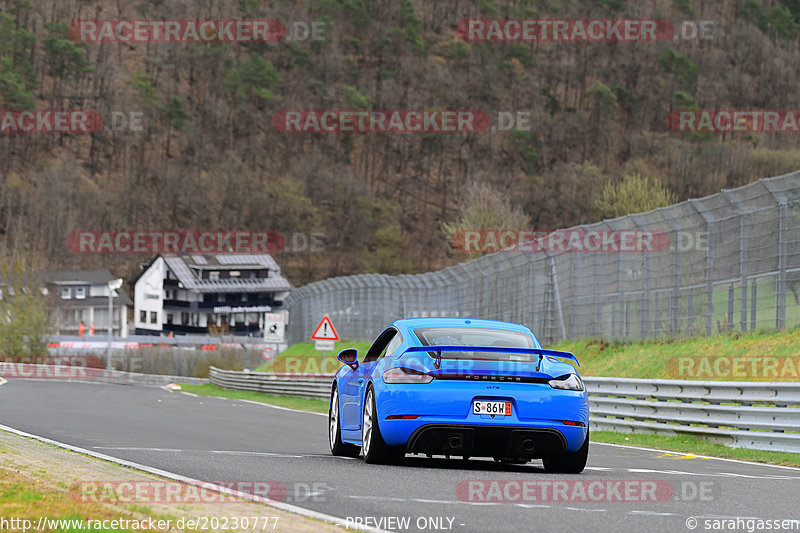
x=493, y=349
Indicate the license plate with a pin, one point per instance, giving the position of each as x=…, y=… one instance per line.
x=480, y=407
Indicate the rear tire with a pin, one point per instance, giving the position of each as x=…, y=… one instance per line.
x=570, y=462
x=373, y=447
x=338, y=447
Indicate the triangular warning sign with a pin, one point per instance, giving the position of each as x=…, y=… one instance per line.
x=325, y=331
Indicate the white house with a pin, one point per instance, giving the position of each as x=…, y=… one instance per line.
x=211, y=294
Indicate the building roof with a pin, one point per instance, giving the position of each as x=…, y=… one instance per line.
x=74, y=277
x=185, y=266
x=64, y=277
x=82, y=277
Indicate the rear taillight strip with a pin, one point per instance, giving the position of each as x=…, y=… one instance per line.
x=490, y=377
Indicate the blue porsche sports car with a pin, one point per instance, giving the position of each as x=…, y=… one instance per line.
x=460, y=387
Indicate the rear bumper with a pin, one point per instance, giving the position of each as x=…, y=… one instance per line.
x=487, y=441
x=443, y=409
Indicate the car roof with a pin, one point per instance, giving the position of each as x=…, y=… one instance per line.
x=409, y=324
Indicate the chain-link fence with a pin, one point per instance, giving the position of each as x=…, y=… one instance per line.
x=732, y=263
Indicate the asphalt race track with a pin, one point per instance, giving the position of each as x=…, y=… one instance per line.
x=229, y=440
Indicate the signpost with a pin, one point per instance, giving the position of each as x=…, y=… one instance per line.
x=324, y=346
x=274, y=327
x=325, y=331
x=324, y=336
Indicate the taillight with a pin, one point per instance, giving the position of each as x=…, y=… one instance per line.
x=572, y=423
x=402, y=417
x=567, y=382
x=405, y=375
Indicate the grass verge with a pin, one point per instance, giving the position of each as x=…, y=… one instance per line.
x=41, y=482
x=696, y=446
x=755, y=356
x=303, y=358
x=684, y=443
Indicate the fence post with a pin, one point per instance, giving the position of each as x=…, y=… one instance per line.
x=596, y=305
x=676, y=288
x=743, y=234
x=623, y=299
x=729, y=321
x=753, y=298
x=709, y=264
x=532, y=282
x=560, y=312
x=573, y=305
x=645, y=311
x=780, y=290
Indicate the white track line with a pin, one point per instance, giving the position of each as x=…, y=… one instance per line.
x=593, y=443
x=2, y=381
x=251, y=401
x=177, y=477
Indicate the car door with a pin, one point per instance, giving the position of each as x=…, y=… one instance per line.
x=355, y=382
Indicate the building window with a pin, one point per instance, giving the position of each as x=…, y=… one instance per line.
x=185, y=319
x=244, y=297
x=66, y=293
x=221, y=298
x=80, y=293
x=153, y=317
x=143, y=316
x=169, y=318
x=213, y=276
x=234, y=274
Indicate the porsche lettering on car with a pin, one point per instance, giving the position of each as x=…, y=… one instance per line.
x=460, y=387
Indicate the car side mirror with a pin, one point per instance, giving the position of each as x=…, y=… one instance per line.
x=349, y=357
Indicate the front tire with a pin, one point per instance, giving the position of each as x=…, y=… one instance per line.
x=569, y=462
x=373, y=447
x=338, y=447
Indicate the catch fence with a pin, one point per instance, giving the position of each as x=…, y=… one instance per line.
x=732, y=263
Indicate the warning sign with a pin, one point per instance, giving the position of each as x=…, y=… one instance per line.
x=325, y=331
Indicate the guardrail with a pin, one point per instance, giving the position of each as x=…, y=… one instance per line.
x=282, y=384
x=756, y=415
x=761, y=416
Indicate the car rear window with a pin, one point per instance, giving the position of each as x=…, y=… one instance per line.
x=461, y=336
